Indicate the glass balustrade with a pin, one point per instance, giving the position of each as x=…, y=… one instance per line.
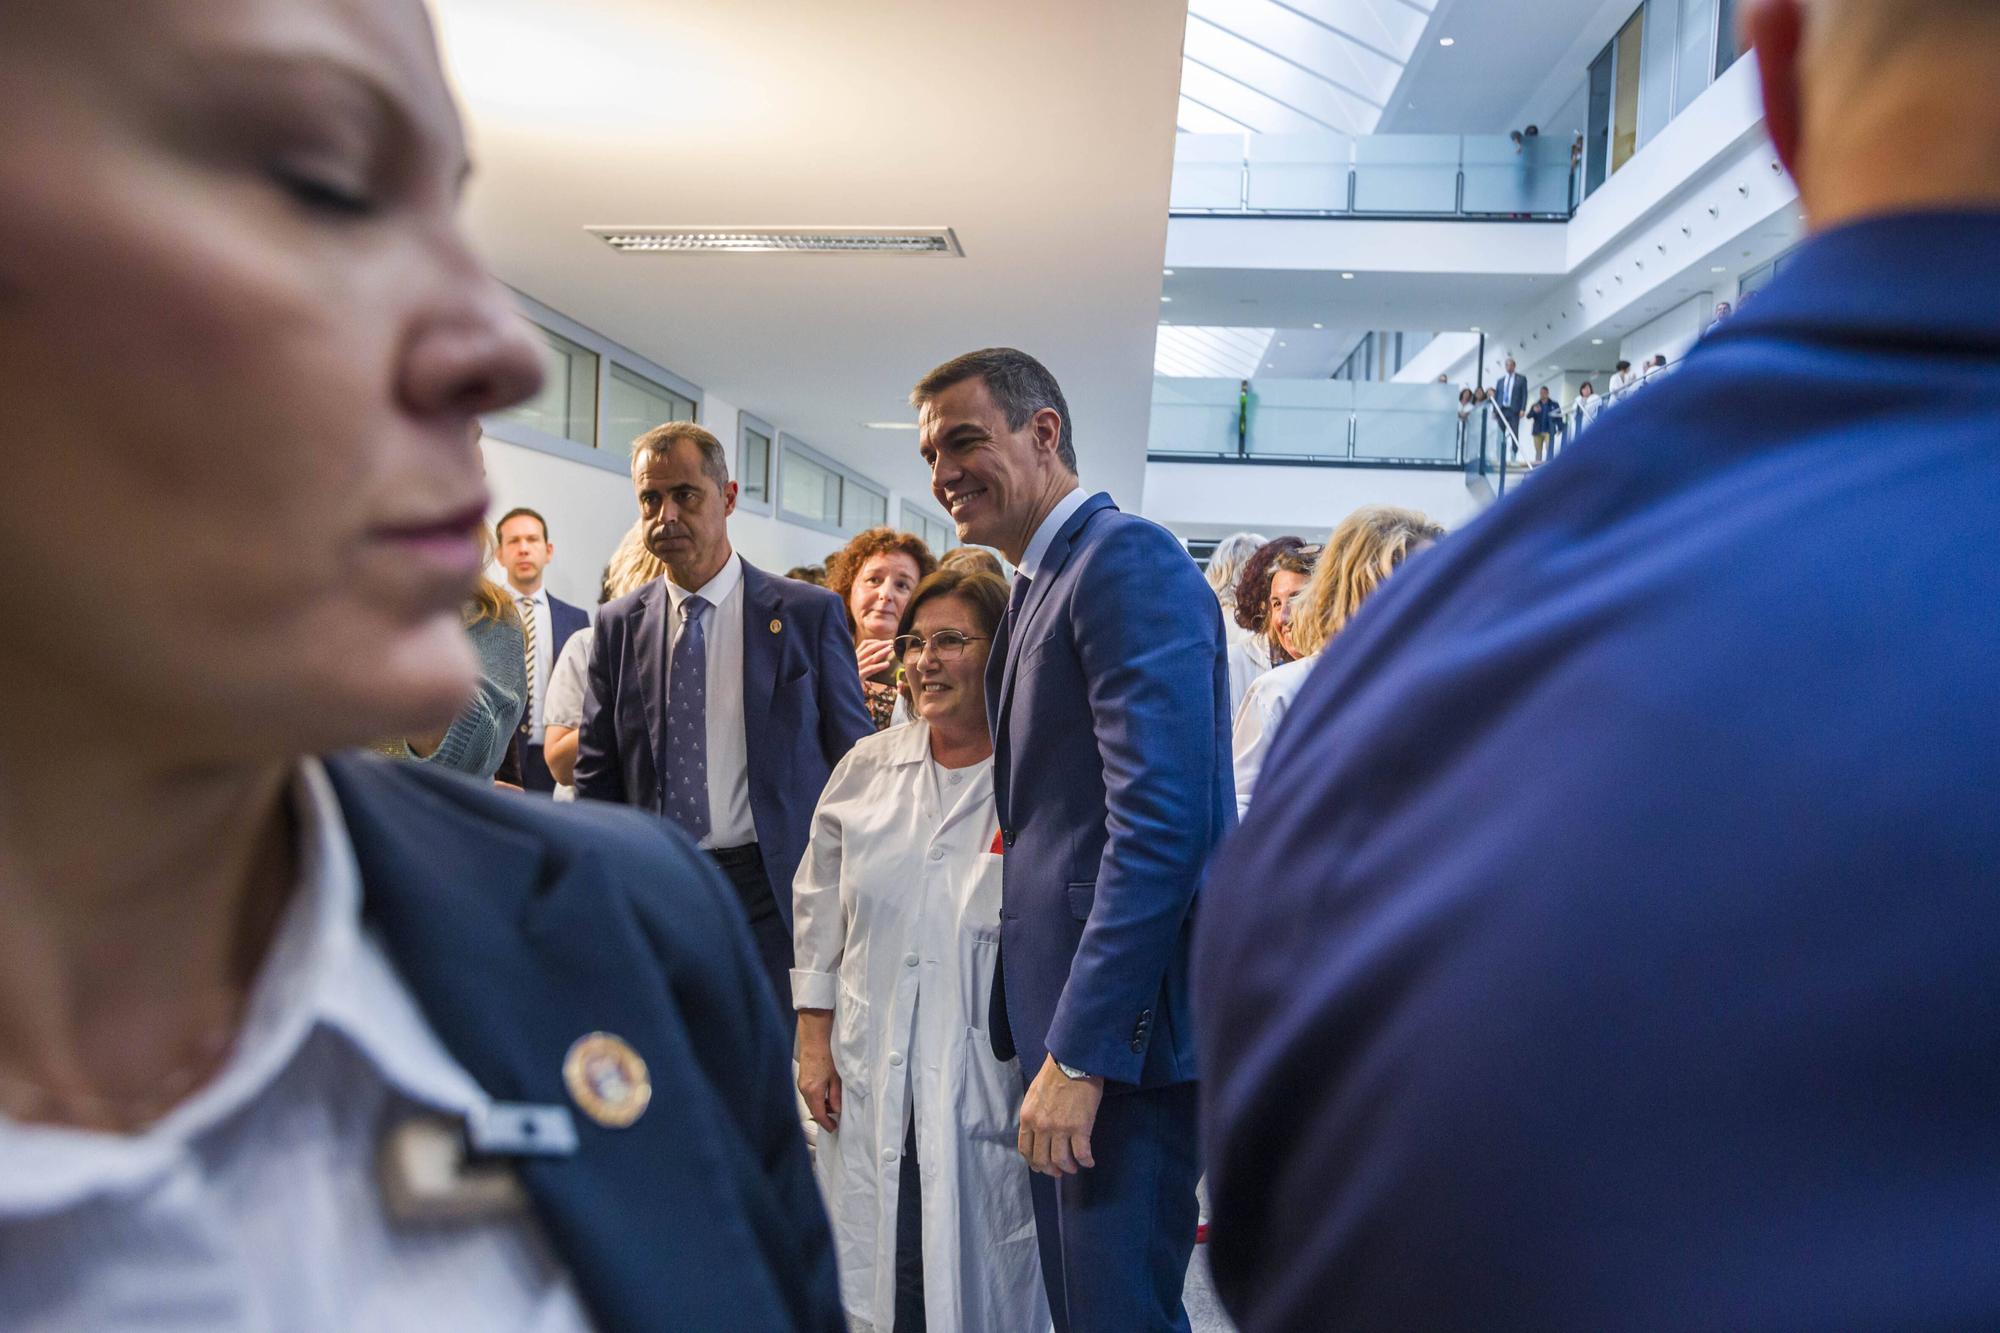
x=1307, y=420
x=1374, y=175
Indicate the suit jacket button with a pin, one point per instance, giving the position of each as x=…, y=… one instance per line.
x=1138, y=1044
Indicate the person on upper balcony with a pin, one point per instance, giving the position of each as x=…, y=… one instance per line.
x=1697, y=1028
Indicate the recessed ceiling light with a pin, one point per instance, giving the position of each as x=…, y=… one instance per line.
x=1597, y=342
x=1166, y=299
x=1477, y=329
x=1319, y=326
x=801, y=240
x=1717, y=268
x=1447, y=41
x=1270, y=365
x=890, y=425
x=1281, y=344
x=1168, y=272
x=1347, y=277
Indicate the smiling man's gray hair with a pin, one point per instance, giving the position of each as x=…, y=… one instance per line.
x=1020, y=385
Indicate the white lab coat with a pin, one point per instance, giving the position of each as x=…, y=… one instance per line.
x=896, y=912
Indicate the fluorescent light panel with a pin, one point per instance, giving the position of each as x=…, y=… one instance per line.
x=778, y=240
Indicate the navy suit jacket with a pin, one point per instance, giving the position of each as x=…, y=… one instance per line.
x=1109, y=700
x=1613, y=940
x=802, y=708
x=518, y=927
x=566, y=620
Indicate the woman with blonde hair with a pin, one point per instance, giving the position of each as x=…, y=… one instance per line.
x=631, y=567
x=1365, y=549
x=293, y=1037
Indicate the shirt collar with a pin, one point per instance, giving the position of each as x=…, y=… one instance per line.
x=1038, y=545
x=715, y=590
x=323, y=969
x=540, y=596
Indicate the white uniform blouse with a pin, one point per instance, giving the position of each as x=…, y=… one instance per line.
x=896, y=912
x=1264, y=706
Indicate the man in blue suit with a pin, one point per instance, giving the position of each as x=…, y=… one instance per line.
x=1108, y=692
x=1705, y=1031
x=720, y=697
x=547, y=622
x=1510, y=393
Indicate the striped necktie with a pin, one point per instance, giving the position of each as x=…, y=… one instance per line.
x=528, y=653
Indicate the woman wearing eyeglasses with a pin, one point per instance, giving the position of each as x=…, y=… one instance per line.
x=896, y=913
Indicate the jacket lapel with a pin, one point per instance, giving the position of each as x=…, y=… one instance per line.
x=1021, y=633
x=762, y=651
x=649, y=657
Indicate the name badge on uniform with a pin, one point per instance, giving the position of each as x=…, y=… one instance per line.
x=437, y=1168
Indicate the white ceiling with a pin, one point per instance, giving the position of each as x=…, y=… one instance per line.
x=1507, y=58
x=1040, y=130
x=1210, y=353
x=1286, y=66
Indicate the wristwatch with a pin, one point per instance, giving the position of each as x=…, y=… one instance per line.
x=1070, y=1071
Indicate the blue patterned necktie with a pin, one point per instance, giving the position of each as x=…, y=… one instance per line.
x=684, y=797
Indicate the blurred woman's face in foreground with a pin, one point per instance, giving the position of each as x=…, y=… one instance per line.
x=242, y=342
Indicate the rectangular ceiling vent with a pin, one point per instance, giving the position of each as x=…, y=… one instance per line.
x=776, y=240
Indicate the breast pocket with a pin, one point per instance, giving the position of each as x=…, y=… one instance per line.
x=1082, y=894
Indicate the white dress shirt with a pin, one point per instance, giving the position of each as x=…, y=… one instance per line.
x=254, y=1205
x=537, y=603
x=1045, y=535
x=1265, y=704
x=729, y=822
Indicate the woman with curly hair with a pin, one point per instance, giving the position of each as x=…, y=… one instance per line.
x=874, y=575
x=1255, y=653
x=1367, y=547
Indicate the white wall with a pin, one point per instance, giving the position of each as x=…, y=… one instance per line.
x=1671, y=333
x=1367, y=245
x=1449, y=354
x=589, y=505
x=1213, y=499
x=588, y=510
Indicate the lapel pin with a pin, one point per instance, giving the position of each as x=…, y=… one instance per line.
x=777, y=625
x=607, y=1079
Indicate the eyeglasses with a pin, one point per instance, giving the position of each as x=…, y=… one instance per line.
x=946, y=645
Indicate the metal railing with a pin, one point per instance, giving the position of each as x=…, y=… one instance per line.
x=1487, y=176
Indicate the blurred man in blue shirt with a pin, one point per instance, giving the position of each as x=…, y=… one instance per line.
x=1617, y=944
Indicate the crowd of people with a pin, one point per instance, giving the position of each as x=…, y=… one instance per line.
x=1544, y=421
x=899, y=961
